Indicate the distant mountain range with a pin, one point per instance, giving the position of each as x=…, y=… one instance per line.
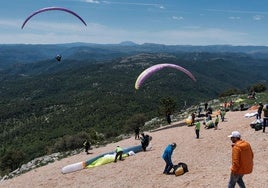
x=11, y=54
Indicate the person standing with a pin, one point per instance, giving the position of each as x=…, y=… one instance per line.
x=222, y=113
x=193, y=118
x=118, y=153
x=137, y=133
x=206, y=106
x=145, y=140
x=167, y=157
x=168, y=117
x=265, y=117
x=259, y=110
x=242, y=160
x=197, y=129
x=87, y=146
x=216, y=122
x=199, y=110
x=231, y=105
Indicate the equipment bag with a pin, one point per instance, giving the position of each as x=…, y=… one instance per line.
x=180, y=169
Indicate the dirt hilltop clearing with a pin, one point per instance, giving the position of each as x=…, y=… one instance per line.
x=208, y=160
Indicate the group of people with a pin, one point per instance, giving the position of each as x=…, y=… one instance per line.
x=242, y=154
x=208, y=121
x=145, y=138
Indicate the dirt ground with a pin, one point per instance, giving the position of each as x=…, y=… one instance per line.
x=208, y=160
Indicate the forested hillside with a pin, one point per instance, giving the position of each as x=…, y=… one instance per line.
x=50, y=106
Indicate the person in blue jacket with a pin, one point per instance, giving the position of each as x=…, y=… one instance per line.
x=167, y=157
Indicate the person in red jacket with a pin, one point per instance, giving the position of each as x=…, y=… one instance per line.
x=242, y=160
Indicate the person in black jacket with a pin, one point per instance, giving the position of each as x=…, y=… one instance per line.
x=145, y=139
x=137, y=133
x=87, y=146
x=168, y=117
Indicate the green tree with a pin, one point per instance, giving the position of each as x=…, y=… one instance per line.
x=229, y=92
x=167, y=105
x=258, y=87
x=135, y=121
x=12, y=160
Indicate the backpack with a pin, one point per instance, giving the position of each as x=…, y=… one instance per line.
x=258, y=127
x=180, y=169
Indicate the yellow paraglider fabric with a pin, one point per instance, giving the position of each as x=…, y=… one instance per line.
x=188, y=121
x=104, y=160
x=239, y=100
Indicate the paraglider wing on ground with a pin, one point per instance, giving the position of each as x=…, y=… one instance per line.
x=98, y=160
x=49, y=9
x=151, y=70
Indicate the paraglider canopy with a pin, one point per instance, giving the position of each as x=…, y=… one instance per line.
x=49, y=9
x=151, y=70
x=58, y=57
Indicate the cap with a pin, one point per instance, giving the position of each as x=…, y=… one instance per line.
x=235, y=134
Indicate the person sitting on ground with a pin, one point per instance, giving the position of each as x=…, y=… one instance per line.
x=209, y=124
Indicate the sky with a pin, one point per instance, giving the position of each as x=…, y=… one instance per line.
x=169, y=22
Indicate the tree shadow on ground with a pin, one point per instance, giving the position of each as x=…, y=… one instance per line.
x=173, y=125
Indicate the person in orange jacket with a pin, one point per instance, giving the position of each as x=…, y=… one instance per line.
x=242, y=160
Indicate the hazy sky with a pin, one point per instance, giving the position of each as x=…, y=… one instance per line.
x=176, y=22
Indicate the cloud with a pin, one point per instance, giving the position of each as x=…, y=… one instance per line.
x=91, y=1
x=40, y=32
x=234, y=18
x=258, y=17
x=199, y=37
x=177, y=18
x=236, y=11
x=136, y=4
x=104, y=35
x=49, y=33
x=10, y=23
